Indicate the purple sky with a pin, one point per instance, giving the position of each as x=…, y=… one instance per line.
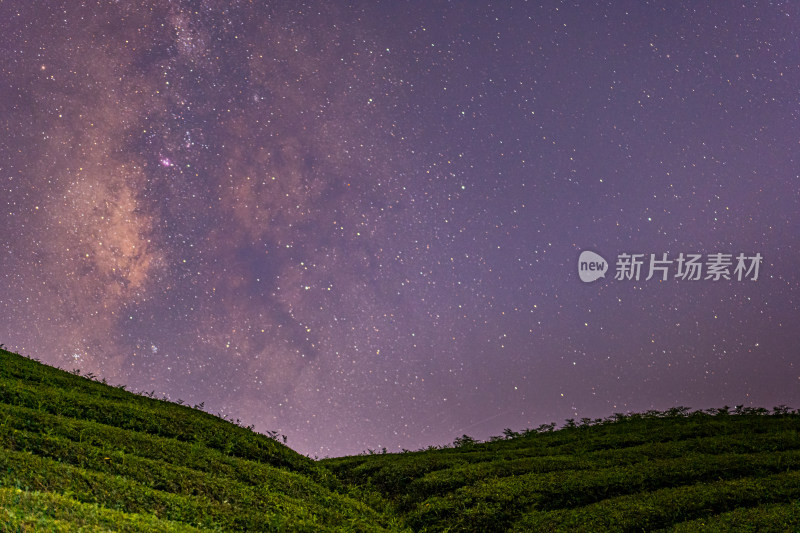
x=360, y=226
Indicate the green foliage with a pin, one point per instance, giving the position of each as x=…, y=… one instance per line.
x=46, y=511
x=770, y=517
x=641, y=472
x=464, y=440
x=77, y=454
x=718, y=504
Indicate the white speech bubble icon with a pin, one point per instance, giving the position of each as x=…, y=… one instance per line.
x=591, y=266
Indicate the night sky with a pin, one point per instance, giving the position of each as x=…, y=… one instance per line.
x=359, y=225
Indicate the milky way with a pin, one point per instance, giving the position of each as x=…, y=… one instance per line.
x=359, y=225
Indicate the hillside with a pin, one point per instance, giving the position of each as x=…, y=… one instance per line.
x=76, y=454
x=676, y=470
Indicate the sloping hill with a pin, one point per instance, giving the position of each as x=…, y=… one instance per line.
x=681, y=471
x=77, y=453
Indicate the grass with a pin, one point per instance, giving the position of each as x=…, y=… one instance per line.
x=79, y=455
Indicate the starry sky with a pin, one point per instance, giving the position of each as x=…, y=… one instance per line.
x=358, y=224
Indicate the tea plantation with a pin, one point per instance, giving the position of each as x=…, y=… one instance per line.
x=676, y=471
x=79, y=455
x=75, y=453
